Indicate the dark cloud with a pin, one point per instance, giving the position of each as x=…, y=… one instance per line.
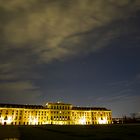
x=35, y=32
x=19, y=92
x=48, y=24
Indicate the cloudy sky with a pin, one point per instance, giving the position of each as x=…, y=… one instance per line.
x=84, y=52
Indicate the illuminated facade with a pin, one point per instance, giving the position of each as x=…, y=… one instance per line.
x=53, y=113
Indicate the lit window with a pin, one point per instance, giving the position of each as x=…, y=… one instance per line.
x=102, y=121
x=82, y=120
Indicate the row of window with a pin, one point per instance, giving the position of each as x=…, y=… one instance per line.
x=60, y=107
x=59, y=112
x=101, y=113
x=22, y=123
x=21, y=111
x=60, y=117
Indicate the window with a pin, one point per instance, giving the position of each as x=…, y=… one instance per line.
x=51, y=117
x=16, y=118
x=6, y=118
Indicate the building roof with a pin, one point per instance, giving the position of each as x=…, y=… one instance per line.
x=89, y=108
x=21, y=106
x=57, y=103
x=27, y=106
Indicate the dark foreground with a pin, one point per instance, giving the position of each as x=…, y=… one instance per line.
x=54, y=132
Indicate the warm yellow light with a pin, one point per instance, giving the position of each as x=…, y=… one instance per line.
x=33, y=120
x=1, y=120
x=7, y=121
x=82, y=120
x=61, y=123
x=102, y=121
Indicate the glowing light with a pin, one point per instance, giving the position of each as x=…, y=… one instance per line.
x=33, y=120
x=1, y=120
x=82, y=120
x=7, y=121
x=61, y=123
x=102, y=121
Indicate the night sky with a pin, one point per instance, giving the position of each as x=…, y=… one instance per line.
x=84, y=52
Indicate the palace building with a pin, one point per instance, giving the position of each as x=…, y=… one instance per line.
x=53, y=113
